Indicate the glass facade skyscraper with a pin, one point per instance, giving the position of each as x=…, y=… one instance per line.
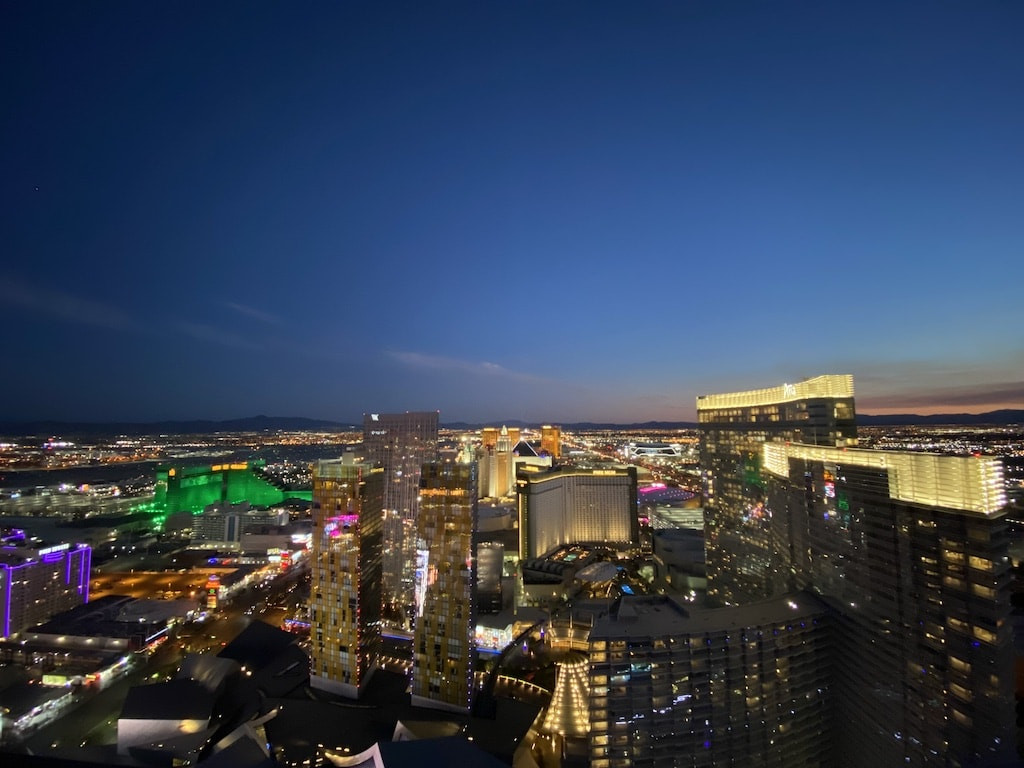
x=400, y=443
x=741, y=560
x=345, y=588
x=444, y=647
x=676, y=685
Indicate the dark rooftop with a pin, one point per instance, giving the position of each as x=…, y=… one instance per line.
x=179, y=699
x=258, y=645
x=435, y=752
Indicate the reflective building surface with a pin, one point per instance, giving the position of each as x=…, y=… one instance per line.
x=906, y=552
x=345, y=594
x=733, y=427
x=910, y=552
x=400, y=443
x=444, y=647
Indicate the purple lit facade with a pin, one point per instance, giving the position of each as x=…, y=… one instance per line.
x=37, y=584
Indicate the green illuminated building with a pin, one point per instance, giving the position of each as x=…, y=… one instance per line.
x=192, y=488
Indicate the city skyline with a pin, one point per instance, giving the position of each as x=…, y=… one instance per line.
x=558, y=213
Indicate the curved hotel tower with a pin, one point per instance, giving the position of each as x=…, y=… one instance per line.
x=909, y=550
x=906, y=553
x=733, y=427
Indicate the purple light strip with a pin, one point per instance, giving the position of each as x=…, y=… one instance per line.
x=7, y=597
x=67, y=571
x=85, y=570
x=7, y=602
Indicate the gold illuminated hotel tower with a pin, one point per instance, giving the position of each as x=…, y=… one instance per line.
x=345, y=593
x=444, y=648
x=733, y=427
x=551, y=440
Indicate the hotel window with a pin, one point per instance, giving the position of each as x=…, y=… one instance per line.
x=981, y=563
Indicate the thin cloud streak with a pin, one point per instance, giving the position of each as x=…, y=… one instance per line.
x=63, y=306
x=471, y=367
x=213, y=335
x=252, y=312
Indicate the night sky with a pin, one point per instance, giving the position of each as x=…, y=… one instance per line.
x=509, y=210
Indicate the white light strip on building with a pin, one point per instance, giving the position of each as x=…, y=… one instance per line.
x=829, y=385
x=971, y=483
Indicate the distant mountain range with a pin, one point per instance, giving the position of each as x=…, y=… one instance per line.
x=194, y=427
x=296, y=423
x=1005, y=416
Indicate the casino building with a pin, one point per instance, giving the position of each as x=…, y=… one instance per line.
x=906, y=552
x=576, y=506
x=671, y=684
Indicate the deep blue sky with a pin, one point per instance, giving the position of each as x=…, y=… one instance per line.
x=511, y=210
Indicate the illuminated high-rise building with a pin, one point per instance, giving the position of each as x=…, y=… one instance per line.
x=444, y=649
x=345, y=592
x=576, y=506
x=888, y=640
x=489, y=437
x=909, y=550
x=741, y=559
x=551, y=441
x=496, y=466
x=400, y=443
x=36, y=584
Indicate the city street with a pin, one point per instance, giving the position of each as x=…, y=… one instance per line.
x=93, y=721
